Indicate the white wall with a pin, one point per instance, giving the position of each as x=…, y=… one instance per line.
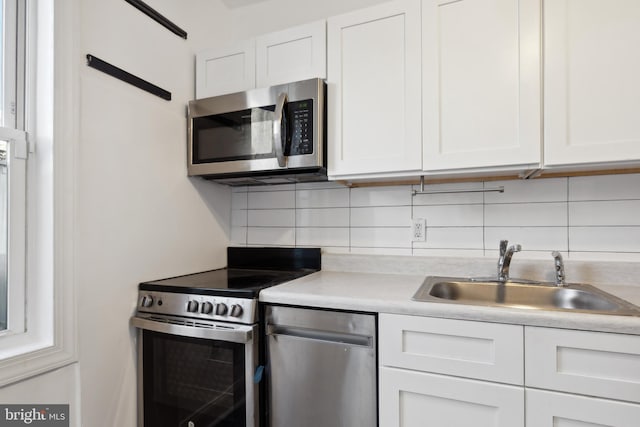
x=138, y=216
x=592, y=218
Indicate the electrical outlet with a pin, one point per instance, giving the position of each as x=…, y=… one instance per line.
x=419, y=230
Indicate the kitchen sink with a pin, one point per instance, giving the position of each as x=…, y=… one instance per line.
x=524, y=294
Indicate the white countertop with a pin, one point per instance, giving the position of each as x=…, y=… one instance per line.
x=391, y=293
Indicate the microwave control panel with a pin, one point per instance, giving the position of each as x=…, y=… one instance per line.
x=301, y=116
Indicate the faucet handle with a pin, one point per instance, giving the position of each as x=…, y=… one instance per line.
x=517, y=248
x=503, y=247
x=559, y=268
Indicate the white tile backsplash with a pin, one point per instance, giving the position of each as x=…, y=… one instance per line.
x=322, y=237
x=525, y=214
x=611, y=212
x=585, y=217
x=328, y=217
x=323, y=198
x=527, y=191
x=271, y=199
x=381, y=196
x=607, y=187
x=450, y=215
x=271, y=218
x=383, y=216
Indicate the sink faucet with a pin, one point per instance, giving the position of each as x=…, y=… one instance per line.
x=559, y=267
x=505, y=259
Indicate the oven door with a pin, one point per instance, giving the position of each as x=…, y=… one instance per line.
x=196, y=374
x=263, y=130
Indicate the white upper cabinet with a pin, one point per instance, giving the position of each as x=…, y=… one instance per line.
x=481, y=84
x=592, y=84
x=374, y=91
x=297, y=53
x=293, y=54
x=226, y=69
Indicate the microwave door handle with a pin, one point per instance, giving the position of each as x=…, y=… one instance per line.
x=278, y=136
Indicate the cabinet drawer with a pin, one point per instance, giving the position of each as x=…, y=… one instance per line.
x=550, y=409
x=591, y=363
x=418, y=399
x=486, y=351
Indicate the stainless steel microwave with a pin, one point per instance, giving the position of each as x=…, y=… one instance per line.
x=261, y=136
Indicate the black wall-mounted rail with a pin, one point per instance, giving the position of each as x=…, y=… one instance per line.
x=119, y=73
x=156, y=16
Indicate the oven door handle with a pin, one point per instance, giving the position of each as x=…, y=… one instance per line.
x=238, y=333
x=278, y=135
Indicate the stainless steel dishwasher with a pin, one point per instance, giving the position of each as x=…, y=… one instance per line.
x=321, y=368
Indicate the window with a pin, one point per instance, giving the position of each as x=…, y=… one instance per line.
x=37, y=174
x=13, y=155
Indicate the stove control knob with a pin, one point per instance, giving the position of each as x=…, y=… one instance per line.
x=147, y=301
x=236, y=310
x=192, y=306
x=221, y=309
x=206, y=308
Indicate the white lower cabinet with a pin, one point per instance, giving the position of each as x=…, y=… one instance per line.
x=458, y=373
x=412, y=399
x=551, y=409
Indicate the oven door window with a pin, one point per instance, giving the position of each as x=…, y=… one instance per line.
x=193, y=382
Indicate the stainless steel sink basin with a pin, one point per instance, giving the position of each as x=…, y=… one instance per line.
x=523, y=294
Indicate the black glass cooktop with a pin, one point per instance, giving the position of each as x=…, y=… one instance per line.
x=249, y=271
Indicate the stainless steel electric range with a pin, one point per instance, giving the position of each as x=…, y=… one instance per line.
x=200, y=357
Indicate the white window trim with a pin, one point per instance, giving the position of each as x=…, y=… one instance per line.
x=50, y=337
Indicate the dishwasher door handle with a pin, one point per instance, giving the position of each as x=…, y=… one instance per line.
x=320, y=335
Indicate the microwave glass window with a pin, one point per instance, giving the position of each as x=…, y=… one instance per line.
x=240, y=135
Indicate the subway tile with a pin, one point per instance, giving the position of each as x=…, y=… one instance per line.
x=272, y=236
x=458, y=253
x=271, y=218
x=381, y=251
x=272, y=200
x=239, y=200
x=451, y=238
x=448, y=198
x=604, y=239
x=372, y=237
x=605, y=187
x=613, y=212
x=383, y=216
x=531, y=238
x=337, y=237
x=450, y=215
x=528, y=191
x=238, y=218
x=238, y=236
x=381, y=196
x=327, y=217
x=525, y=214
x=323, y=198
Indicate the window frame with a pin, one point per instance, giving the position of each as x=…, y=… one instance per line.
x=49, y=341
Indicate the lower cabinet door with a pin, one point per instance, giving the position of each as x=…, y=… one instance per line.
x=412, y=399
x=552, y=409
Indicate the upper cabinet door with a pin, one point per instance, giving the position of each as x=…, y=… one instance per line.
x=226, y=69
x=592, y=84
x=374, y=91
x=294, y=54
x=481, y=84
